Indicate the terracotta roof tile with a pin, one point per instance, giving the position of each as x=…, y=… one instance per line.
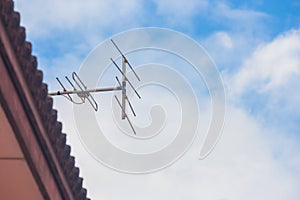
x=39, y=91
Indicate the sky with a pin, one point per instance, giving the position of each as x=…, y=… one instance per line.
x=255, y=46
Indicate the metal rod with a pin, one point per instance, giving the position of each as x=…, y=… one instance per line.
x=125, y=115
x=95, y=105
x=70, y=82
x=126, y=78
x=64, y=89
x=117, y=47
x=61, y=84
x=88, y=90
x=130, y=106
x=126, y=60
x=118, y=81
x=132, y=110
x=74, y=76
x=138, y=78
x=123, y=87
x=117, y=66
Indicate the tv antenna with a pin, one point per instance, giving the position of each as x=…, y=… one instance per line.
x=84, y=93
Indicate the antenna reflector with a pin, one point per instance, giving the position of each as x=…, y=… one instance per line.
x=126, y=60
x=126, y=78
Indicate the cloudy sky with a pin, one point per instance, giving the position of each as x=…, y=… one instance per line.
x=256, y=48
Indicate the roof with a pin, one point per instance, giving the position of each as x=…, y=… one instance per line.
x=23, y=93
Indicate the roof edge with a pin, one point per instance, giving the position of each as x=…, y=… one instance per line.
x=39, y=105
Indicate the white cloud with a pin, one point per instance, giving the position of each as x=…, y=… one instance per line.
x=45, y=18
x=238, y=14
x=249, y=162
x=271, y=65
x=271, y=77
x=180, y=9
x=239, y=32
x=246, y=164
x=229, y=49
x=224, y=39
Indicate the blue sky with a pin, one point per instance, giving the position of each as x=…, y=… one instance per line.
x=256, y=47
